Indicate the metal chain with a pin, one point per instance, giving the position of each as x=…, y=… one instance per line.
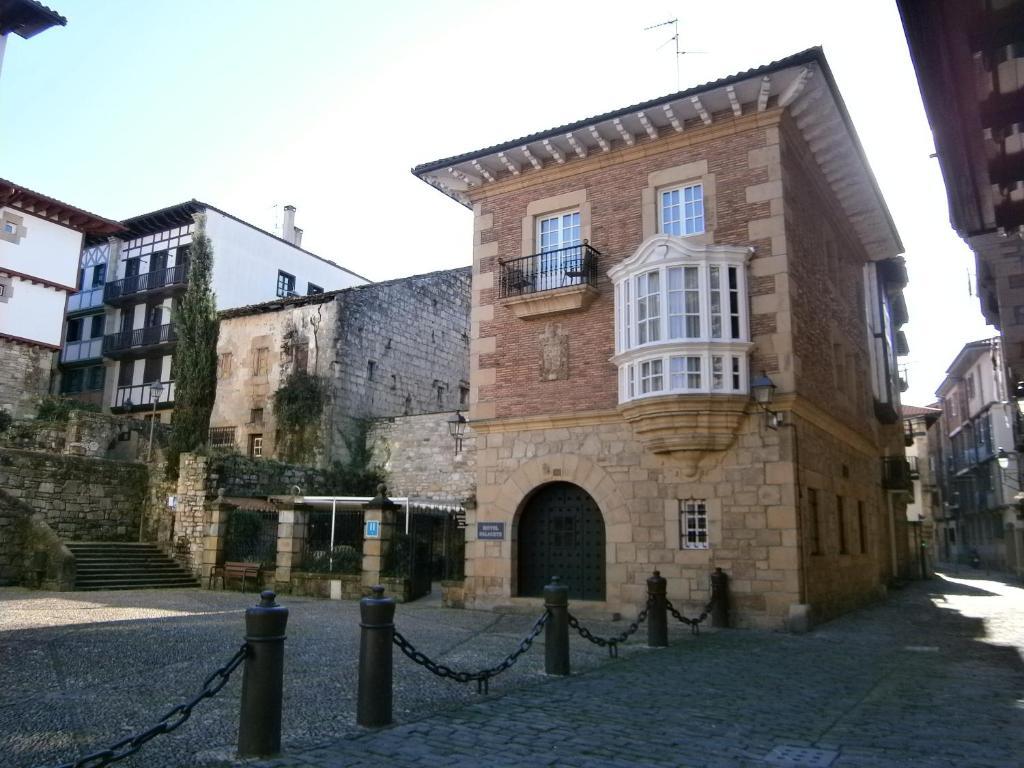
x=481, y=677
x=694, y=624
x=169, y=722
x=611, y=643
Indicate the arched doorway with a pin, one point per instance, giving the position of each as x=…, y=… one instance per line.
x=561, y=533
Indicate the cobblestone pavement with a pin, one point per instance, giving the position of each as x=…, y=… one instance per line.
x=82, y=670
x=931, y=677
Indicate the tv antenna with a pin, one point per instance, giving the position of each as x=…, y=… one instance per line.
x=673, y=39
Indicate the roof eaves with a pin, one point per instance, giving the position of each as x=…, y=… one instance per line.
x=803, y=57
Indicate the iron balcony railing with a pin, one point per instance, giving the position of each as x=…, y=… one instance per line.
x=896, y=474
x=138, y=338
x=85, y=300
x=146, y=282
x=144, y=395
x=221, y=437
x=547, y=271
x=86, y=349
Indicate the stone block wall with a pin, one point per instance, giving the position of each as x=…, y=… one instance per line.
x=87, y=434
x=24, y=376
x=82, y=499
x=418, y=455
x=401, y=347
x=13, y=516
x=751, y=510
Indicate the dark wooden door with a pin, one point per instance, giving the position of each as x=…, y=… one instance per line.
x=561, y=533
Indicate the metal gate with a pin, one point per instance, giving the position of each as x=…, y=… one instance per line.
x=411, y=554
x=561, y=533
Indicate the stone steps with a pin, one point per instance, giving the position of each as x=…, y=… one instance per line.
x=125, y=565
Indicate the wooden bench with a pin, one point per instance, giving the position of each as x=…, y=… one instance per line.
x=236, y=570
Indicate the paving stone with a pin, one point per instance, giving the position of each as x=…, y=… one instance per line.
x=91, y=669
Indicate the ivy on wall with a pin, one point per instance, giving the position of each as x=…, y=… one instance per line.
x=298, y=406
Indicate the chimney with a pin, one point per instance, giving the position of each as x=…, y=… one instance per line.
x=298, y=237
x=288, y=225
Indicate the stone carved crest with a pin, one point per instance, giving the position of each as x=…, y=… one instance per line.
x=554, y=353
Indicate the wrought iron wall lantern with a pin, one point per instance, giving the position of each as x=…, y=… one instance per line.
x=457, y=429
x=763, y=390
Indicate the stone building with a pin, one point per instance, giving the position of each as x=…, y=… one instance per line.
x=634, y=275
x=977, y=462
x=969, y=60
x=389, y=349
x=924, y=500
x=119, y=338
x=40, y=240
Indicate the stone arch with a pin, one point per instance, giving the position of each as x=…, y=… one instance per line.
x=520, y=485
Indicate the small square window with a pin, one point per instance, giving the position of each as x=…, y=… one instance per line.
x=693, y=524
x=285, y=284
x=256, y=416
x=256, y=446
x=261, y=361
x=313, y=290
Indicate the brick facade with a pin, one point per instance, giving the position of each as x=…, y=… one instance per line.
x=763, y=189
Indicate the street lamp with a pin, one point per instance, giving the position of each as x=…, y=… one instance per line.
x=1003, y=458
x=763, y=390
x=457, y=429
x=155, y=390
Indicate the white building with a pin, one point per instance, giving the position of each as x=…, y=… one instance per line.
x=40, y=242
x=121, y=344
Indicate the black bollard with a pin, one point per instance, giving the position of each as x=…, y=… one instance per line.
x=556, y=632
x=720, y=597
x=657, y=612
x=259, y=726
x=376, y=660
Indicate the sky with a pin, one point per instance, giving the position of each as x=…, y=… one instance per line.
x=250, y=105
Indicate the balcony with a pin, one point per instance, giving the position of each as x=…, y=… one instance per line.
x=149, y=284
x=914, y=469
x=86, y=349
x=140, y=397
x=554, y=281
x=83, y=301
x=151, y=339
x=896, y=474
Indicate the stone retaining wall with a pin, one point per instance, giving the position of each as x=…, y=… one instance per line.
x=82, y=499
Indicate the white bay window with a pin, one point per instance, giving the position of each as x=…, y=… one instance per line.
x=681, y=319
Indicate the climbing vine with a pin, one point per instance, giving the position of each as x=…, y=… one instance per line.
x=358, y=475
x=298, y=406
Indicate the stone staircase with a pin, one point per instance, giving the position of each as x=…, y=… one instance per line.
x=125, y=565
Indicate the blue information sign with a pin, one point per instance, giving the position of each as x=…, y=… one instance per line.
x=373, y=529
x=490, y=531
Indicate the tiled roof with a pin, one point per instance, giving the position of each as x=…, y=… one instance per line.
x=811, y=54
x=57, y=211
x=916, y=410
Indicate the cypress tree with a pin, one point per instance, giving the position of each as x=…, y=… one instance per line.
x=195, y=356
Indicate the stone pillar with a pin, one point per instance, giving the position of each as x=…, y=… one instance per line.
x=382, y=511
x=213, y=540
x=291, y=536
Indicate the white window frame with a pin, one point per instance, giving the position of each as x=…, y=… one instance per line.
x=693, y=524
x=553, y=259
x=688, y=218
x=710, y=333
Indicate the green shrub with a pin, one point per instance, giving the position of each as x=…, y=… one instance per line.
x=341, y=559
x=53, y=408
